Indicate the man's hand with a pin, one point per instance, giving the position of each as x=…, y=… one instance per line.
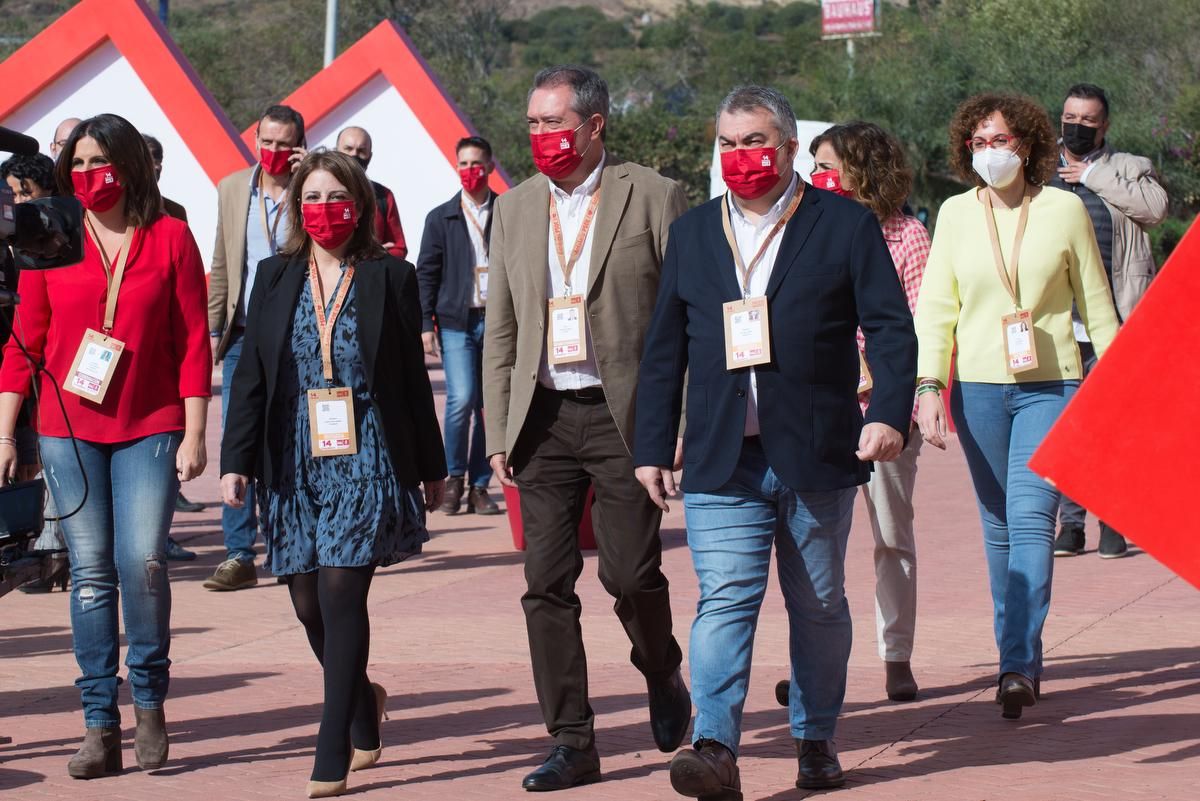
x=298, y=154
x=233, y=489
x=659, y=483
x=500, y=468
x=879, y=443
x=678, y=465
x=1073, y=172
x=430, y=341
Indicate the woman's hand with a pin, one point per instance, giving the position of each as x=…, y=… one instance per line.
x=931, y=419
x=233, y=490
x=8, y=464
x=192, y=457
x=434, y=490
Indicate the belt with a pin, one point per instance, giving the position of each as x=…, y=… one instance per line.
x=588, y=395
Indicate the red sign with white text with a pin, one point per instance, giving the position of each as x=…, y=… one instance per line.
x=847, y=17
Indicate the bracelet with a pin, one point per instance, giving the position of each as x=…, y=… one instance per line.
x=926, y=389
x=8, y=441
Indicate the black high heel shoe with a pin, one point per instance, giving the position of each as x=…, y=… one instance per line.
x=59, y=573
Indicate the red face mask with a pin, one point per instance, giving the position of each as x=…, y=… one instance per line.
x=98, y=189
x=554, y=152
x=329, y=224
x=473, y=178
x=830, y=180
x=750, y=172
x=275, y=162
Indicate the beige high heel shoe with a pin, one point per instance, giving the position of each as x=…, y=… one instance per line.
x=326, y=789
x=367, y=759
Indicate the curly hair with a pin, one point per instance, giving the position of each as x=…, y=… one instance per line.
x=1025, y=117
x=875, y=163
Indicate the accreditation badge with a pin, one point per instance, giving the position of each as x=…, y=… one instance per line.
x=331, y=421
x=94, y=365
x=865, y=382
x=1020, y=348
x=565, y=340
x=747, y=333
x=481, y=283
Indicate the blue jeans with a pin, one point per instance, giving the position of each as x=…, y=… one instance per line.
x=1071, y=514
x=730, y=533
x=117, y=540
x=1000, y=426
x=240, y=526
x=462, y=358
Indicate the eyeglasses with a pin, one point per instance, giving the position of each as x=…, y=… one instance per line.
x=999, y=140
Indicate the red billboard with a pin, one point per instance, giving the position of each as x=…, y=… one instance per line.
x=842, y=18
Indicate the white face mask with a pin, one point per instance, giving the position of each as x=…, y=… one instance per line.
x=998, y=166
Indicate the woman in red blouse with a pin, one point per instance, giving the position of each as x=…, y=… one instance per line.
x=124, y=333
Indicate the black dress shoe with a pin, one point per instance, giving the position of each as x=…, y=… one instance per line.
x=783, y=692
x=670, y=711
x=1016, y=693
x=563, y=769
x=900, y=684
x=707, y=771
x=182, y=504
x=819, y=766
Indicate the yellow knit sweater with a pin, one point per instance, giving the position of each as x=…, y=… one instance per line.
x=962, y=299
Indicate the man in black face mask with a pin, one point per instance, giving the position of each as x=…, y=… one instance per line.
x=1123, y=199
x=356, y=142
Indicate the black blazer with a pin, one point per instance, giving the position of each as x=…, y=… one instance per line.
x=833, y=274
x=389, y=334
x=446, y=266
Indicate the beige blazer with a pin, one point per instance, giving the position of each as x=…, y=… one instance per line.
x=637, y=206
x=229, y=256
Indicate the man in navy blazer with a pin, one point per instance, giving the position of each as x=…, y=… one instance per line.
x=761, y=293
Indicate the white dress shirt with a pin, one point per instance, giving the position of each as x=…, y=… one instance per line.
x=572, y=208
x=481, y=214
x=750, y=237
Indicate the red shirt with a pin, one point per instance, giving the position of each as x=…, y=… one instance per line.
x=161, y=317
x=387, y=227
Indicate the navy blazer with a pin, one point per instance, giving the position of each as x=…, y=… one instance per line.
x=446, y=266
x=833, y=274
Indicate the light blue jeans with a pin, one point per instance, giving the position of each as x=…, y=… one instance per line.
x=240, y=526
x=117, y=544
x=730, y=533
x=462, y=358
x=1000, y=426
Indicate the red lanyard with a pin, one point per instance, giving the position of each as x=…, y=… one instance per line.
x=746, y=272
x=470, y=215
x=325, y=327
x=568, y=266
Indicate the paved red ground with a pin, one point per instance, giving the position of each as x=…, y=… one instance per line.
x=1120, y=718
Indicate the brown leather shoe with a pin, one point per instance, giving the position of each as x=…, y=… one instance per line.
x=481, y=503
x=1016, y=693
x=819, y=766
x=901, y=684
x=100, y=754
x=232, y=574
x=452, y=500
x=150, y=744
x=707, y=771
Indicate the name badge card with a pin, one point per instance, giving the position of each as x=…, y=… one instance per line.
x=481, y=281
x=865, y=382
x=747, y=333
x=331, y=421
x=94, y=366
x=565, y=342
x=1020, y=350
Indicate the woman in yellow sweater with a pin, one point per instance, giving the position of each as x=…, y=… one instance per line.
x=1009, y=259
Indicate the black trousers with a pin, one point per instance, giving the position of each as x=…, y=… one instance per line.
x=565, y=447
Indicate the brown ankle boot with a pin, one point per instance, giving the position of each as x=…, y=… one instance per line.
x=452, y=500
x=150, y=744
x=100, y=754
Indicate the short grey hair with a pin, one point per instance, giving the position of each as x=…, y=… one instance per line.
x=752, y=98
x=589, y=90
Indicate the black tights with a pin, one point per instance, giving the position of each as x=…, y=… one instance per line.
x=332, y=604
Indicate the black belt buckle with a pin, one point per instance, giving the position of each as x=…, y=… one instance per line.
x=587, y=395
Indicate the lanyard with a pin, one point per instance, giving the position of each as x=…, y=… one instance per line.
x=744, y=271
x=1008, y=276
x=268, y=230
x=113, y=276
x=475, y=222
x=325, y=327
x=568, y=266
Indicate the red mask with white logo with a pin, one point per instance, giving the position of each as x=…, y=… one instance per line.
x=830, y=180
x=473, y=178
x=750, y=172
x=98, y=189
x=329, y=224
x=554, y=152
x=275, y=162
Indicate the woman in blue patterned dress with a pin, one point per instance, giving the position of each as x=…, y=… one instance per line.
x=332, y=412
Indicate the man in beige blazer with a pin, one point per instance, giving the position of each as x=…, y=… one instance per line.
x=252, y=225
x=559, y=416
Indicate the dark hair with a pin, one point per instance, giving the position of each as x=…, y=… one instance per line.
x=1088, y=91
x=126, y=150
x=752, y=98
x=286, y=115
x=875, y=162
x=156, y=151
x=364, y=244
x=1027, y=119
x=37, y=169
x=474, y=141
x=589, y=90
